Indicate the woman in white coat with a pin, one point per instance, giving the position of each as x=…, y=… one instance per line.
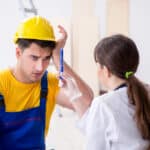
x=119, y=119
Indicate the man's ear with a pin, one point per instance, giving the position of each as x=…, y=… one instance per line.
x=18, y=52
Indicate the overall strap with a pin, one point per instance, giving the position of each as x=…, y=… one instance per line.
x=44, y=89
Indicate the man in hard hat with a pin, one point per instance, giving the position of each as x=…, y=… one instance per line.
x=28, y=93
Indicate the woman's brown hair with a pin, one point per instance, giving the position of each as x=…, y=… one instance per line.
x=120, y=55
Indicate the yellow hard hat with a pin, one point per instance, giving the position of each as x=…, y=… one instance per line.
x=35, y=27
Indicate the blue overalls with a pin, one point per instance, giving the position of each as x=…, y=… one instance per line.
x=24, y=130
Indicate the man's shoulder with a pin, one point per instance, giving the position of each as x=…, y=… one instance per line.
x=5, y=73
x=52, y=78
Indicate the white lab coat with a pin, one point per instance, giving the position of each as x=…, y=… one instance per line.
x=109, y=123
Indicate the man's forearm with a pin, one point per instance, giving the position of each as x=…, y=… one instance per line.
x=83, y=102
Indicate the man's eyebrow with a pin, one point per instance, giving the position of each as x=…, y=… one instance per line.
x=32, y=55
x=49, y=56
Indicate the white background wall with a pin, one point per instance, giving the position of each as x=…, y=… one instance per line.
x=140, y=32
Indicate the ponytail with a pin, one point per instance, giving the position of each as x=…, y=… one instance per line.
x=138, y=96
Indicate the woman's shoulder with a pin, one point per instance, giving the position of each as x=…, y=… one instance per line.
x=112, y=99
x=106, y=97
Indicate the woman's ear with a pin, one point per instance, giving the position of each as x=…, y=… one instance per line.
x=107, y=72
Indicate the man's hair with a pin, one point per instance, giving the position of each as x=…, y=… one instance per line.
x=25, y=43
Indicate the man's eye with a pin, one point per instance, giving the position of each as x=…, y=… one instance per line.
x=47, y=58
x=34, y=57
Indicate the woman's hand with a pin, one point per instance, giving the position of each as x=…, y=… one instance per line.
x=70, y=87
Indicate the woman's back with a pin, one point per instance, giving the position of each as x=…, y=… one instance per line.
x=111, y=124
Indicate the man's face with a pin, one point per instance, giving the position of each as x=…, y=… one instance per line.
x=32, y=62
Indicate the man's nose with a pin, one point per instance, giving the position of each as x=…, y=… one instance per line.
x=39, y=65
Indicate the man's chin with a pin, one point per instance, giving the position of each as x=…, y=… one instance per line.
x=36, y=79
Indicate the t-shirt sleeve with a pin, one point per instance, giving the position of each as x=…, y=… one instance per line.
x=3, y=82
x=53, y=84
x=53, y=89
